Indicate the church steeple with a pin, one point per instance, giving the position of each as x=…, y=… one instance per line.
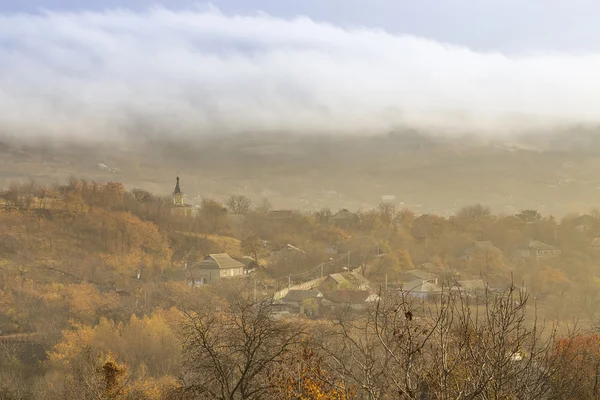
x=177, y=189
x=177, y=195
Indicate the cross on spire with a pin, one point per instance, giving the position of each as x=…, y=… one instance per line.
x=177, y=188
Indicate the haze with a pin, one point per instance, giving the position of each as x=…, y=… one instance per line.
x=99, y=74
x=270, y=199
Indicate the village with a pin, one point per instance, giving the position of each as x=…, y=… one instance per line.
x=353, y=281
x=98, y=266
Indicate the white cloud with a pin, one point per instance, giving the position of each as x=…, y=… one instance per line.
x=202, y=72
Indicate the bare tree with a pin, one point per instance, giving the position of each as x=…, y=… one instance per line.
x=404, y=348
x=264, y=206
x=230, y=354
x=162, y=205
x=141, y=196
x=238, y=204
x=212, y=216
x=323, y=216
x=252, y=245
x=43, y=193
x=14, y=195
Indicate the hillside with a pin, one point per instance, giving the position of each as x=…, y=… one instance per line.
x=553, y=173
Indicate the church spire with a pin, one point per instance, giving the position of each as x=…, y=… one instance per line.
x=177, y=189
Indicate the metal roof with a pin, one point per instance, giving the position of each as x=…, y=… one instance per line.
x=218, y=261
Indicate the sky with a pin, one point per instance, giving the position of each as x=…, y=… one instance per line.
x=505, y=25
x=109, y=67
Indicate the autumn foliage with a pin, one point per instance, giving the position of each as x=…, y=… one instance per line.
x=95, y=302
x=302, y=376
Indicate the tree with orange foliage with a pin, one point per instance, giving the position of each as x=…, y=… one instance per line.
x=112, y=194
x=580, y=359
x=302, y=376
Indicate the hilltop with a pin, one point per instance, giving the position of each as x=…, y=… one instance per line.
x=553, y=173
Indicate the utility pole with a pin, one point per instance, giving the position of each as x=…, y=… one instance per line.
x=361, y=284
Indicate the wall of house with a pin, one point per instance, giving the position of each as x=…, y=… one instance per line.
x=208, y=275
x=182, y=211
x=543, y=254
x=523, y=253
x=226, y=272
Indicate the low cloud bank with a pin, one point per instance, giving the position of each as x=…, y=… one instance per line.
x=199, y=72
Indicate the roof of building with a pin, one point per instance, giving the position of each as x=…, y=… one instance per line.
x=300, y=295
x=585, y=219
x=344, y=214
x=177, y=188
x=339, y=279
x=420, y=285
x=218, y=261
x=246, y=260
x=350, y=279
x=537, y=245
x=290, y=247
x=416, y=273
x=481, y=245
x=347, y=296
x=513, y=219
x=286, y=214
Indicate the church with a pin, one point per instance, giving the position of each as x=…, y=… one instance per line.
x=179, y=207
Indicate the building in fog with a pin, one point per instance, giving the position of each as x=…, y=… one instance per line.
x=537, y=250
x=483, y=248
x=345, y=219
x=179, y=207
x=213, y=268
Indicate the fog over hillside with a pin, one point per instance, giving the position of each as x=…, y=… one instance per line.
x=188, y=73
x=302, y=112
x=425, y=174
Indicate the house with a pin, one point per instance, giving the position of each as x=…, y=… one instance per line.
x=286, y=253
x=584, y=220
x=418, y=274
x=302, y=302
x=513, y=222
x=421, y=288
x=286, y=249
x=281, y=214
x=342, y=299
x=345, y=219
x=292, y=248
x=480, y=247
x=213, y=268
x=426, y=226
x=179, y=207
x=345, y=280
x=537, y=250
x=250, y=265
